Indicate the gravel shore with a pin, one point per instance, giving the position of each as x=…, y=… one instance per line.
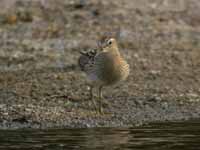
x=42, y=86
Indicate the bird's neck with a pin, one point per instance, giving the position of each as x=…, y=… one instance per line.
x=116, y=52
x=113, y=51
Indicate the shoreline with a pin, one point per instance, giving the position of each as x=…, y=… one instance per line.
x=45, y=107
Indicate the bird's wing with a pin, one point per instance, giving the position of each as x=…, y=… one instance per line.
x=87, y=59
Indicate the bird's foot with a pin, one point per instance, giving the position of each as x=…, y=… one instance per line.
x=101, y=111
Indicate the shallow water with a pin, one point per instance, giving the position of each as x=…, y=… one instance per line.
x=157, y=136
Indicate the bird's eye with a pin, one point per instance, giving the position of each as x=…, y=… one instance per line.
x=109, y=42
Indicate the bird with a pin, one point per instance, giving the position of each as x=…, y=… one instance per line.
x=104, y=67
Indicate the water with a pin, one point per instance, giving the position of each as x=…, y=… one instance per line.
x=157, y=136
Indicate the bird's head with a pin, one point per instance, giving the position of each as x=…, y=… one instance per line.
x=109, y=45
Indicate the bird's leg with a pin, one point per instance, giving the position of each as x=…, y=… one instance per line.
x=92, y=97
x=100, y=99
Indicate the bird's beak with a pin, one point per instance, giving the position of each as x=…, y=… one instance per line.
x=101, y=45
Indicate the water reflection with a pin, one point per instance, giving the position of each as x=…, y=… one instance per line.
x=173, y=136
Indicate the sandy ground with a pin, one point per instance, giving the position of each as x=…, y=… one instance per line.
x=42, y=86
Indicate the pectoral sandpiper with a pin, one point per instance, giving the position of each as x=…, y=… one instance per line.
x=104, y=68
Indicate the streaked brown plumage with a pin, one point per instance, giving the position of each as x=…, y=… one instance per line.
x=105, y=68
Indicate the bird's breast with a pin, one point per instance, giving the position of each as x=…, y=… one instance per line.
x=113, y=69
